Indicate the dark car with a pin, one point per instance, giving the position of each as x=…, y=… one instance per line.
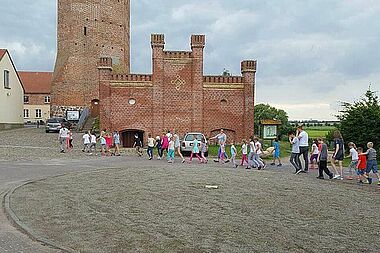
x=55, y=124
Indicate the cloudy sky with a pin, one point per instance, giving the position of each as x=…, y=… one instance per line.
x=311, y=53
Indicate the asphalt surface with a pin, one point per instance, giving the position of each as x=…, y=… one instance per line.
x=16, y=172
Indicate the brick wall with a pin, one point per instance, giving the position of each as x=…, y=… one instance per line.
x=177, y=95
x=87, y=31
x=36, y=99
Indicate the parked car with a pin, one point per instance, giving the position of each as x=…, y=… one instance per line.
x=187, y=142
x=55, y=124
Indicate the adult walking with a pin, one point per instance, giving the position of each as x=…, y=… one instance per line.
x=338, y=155
x=322, y=160
x=222, y=140
x=303, y=138
x=62, y=137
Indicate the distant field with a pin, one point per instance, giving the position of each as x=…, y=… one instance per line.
x=318, y=132
x=314, y=134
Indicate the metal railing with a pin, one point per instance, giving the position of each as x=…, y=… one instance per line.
x=83, y=118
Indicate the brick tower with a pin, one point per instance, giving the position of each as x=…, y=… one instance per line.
x=87, y=31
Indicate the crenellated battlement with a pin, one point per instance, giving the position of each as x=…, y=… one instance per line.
x=198, y=40
x=248, y=66
x=157, y=40
x=178, y=54
x=223, y=79
x=105, y=62
x=132, y=77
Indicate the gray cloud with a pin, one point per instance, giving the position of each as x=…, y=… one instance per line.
x=311, y=53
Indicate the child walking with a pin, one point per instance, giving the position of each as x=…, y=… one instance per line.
x=372, y=162
x=354, y=160
x=322, y=159
x=233, y=155
x=93, y=143
x=70, y=140
x=108, y=138
x=362, y=166
x=103, y=145
x=171, y=150
x=164, y=143
x=252, y=163
x=222, y=155
x=204, y=149
x=138, y=145
x=295, y=156
x=314, y=155
x=150, y=146
x=177, y=145
x=86, y=142
x=116, y=142
x=276, y=154
x=258, y=154
x=159, y=147
x=244, y=152
x=195, y=150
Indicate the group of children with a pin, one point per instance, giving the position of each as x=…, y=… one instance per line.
x=362, y=162
x=107, y=142
x=170, y=144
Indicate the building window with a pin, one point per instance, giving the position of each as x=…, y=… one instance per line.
x=47, y=99
x=6, y=79
x=38, y=113
x=132, y=101
x=85, y=31
x=26, y=99
x=26, y=113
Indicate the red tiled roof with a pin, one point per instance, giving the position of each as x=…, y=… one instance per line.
x=2, y=53
x=36, y=82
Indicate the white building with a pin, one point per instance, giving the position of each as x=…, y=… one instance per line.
x=11, y=94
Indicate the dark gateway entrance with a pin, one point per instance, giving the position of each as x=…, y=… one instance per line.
x=95, y=108
x=128, y=137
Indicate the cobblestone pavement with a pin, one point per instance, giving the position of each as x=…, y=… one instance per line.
x=30, y=154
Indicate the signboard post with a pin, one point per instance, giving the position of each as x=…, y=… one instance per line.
x=270, y=128
x=73, y=115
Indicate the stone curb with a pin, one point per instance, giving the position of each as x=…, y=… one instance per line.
x=23, y=227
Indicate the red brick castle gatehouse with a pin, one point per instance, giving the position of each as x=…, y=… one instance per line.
x=92, y=69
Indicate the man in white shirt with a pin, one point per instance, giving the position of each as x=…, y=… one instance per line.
x=303, y=138
x=62, y=137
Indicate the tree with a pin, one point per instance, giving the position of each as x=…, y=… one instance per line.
x=360, y=121
x=226, y=73
x=265, y=111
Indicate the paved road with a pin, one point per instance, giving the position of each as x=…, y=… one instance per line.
x=15, y=172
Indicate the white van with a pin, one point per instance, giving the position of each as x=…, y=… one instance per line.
x=187, y=142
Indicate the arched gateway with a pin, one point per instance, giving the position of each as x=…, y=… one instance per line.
x=128, y=137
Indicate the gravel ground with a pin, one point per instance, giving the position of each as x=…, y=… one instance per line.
x=156, y=207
